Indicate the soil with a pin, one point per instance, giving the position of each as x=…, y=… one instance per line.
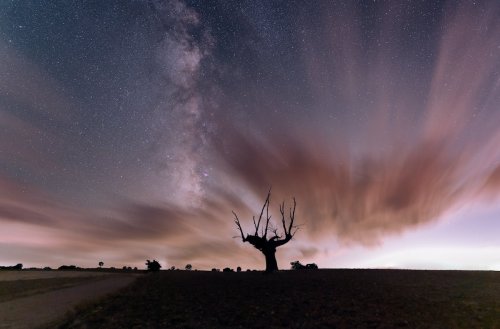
x=300, y=299
x=43, y=307
x=34, y=274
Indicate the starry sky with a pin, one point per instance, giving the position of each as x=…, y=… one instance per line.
x=129, y=130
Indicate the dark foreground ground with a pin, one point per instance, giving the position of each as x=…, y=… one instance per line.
x=300, y=299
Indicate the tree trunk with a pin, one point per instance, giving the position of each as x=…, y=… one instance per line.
x=271, y=264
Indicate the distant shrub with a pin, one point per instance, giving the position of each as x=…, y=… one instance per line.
x=67, y=267
x=227, y=269
x=189, y=267
x=153, y=266
x=47, y=268
x=15, y=267
x=238, y=269
x=296, y=265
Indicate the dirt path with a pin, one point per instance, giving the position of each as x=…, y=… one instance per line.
x=33, y=311
x=30, y=275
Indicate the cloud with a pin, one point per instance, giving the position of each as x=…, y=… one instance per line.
x=355, y=200
x=27, y=204
x=408, y=147
x=491, y=186
x=32, y=105
x=126, y=231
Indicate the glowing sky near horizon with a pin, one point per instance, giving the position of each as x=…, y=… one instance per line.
x=130, y=130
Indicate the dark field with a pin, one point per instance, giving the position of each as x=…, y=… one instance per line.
x=301, y=299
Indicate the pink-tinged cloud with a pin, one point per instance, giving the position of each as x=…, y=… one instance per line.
x=395, y=170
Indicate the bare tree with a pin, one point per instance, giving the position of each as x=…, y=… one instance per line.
x=259, y=239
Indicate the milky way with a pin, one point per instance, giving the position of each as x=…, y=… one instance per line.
x=131, y=130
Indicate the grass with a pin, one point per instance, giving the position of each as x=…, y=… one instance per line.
x=10, y=290
x=300, y=299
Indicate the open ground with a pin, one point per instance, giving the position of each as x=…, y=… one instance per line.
x=29, y=299
x=299, y=299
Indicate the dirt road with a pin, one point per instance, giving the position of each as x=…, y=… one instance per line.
x=33, y=311
x=31, y=275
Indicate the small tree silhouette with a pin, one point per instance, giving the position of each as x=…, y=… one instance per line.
x=296, y=265
x=189, y=267
x=153, y=266
x=261, y=242
x=101, y=264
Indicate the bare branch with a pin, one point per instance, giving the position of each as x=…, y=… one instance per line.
x=237, y=221
x=260, y=241
x=276, y=236
x=262, y=211
x=282, y=211
x=292, y=216
x=268, y=218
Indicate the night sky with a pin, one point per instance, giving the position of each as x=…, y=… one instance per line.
x=129, y=130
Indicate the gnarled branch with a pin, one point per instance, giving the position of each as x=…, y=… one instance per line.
x=237, y=221
x=258, y=241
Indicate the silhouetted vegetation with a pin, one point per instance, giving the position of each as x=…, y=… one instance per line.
x=68, y=267
x=16, y=267
x=227, y=269
x=189, y=267
x=261, y=242
x=101, y=264
x=153, y=266
x=296, y=265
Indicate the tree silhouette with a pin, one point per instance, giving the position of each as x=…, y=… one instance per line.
x=153, y=266
x=189, y=267
x=298, y=266
x=101, y=264
x=261, y=242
